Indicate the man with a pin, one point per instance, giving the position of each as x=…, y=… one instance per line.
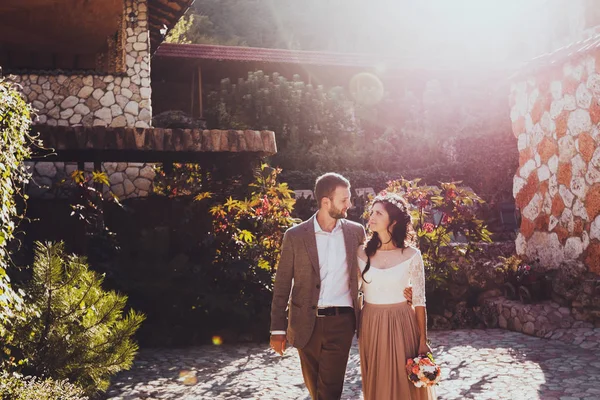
x=317, y=277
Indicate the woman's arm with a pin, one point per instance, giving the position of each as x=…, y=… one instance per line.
x=422, y=322
x=417, y=278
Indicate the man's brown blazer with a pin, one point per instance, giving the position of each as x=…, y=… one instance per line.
x=298, y=273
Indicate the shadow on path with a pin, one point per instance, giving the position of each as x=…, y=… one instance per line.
x=477, y=364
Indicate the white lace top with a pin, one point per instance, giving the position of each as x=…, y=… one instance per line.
x=386, y=286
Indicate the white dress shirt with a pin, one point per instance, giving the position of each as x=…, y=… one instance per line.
x=333, y=266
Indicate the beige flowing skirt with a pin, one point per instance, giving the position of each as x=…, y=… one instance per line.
x=389, y=335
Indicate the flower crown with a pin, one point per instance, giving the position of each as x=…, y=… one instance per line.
x=397, y=201
x=390, y=198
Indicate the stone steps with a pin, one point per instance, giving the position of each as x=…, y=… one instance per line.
x=586, y=338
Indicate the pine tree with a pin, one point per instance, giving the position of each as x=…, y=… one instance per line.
x=74, y=329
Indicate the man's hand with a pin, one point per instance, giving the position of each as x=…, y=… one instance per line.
x=408, y=294
x=278, y=343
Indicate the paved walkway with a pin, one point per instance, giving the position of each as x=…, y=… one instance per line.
x=477, y=364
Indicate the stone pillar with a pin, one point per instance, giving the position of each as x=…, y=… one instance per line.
x=137, y=64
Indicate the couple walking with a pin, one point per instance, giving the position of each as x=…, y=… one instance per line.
x=324, y=263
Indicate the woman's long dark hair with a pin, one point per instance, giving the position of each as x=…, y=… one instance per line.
x=402, y=233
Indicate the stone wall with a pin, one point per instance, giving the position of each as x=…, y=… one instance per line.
x=127, y=180
x=545, y=320
x=116, y=100
x=556, y=115
x=120, y=99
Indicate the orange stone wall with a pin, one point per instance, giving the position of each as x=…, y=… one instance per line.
x=555, y=116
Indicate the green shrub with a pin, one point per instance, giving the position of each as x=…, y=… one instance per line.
x=247, y=238
x=445, y=221
x=252, y=229
x=314, y=126
x=202, y=268
x=73, y=329
x=15, y=387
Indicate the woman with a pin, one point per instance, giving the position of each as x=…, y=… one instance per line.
x=391, y=331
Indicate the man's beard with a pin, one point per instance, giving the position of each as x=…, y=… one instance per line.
x=336, y=213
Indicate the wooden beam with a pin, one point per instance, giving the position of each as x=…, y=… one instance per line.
x=192, y=96
x=200, y=105
x=165, y=157
x=100, y=144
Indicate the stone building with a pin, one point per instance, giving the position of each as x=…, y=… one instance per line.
x=86, y=69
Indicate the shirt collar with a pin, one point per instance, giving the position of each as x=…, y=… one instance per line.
x=337, y=227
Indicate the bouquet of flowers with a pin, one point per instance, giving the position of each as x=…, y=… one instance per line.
x=423, y=371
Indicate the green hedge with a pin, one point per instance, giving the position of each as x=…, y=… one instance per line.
x=16, y=387
x=15, y=122
x=486, y=164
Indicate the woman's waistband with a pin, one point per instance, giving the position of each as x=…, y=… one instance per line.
x=386, y=305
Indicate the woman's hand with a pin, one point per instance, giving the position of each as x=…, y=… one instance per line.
x=424, y=348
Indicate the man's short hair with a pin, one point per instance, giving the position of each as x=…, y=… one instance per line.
x=326, y=185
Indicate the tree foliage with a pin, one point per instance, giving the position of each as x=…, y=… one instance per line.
x=450, y=131
x=251, y=230
x=198, y=29
x=246, y=242
x=15, y=121
x=313, y=124
x=306, y=25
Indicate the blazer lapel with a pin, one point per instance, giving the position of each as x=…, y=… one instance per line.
x=310, y=241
